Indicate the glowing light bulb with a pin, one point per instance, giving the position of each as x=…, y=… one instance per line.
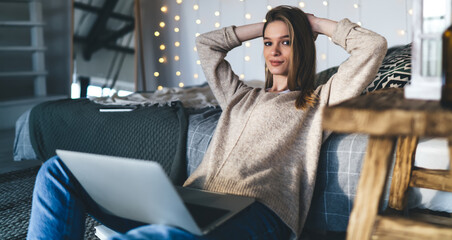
x=197, y=35
x=248, y=16
x=269, y=7
x=181, y=84
x=325, y=3
x=359, y=23
x=177, y=17
x=178, y=1
x=217, y=13
x=156, y=74
x=410, y=11
x=195, y=7
x=176, y=29
x=217, y=24
x=247, y=58
x=248, y=44
x=161, y=60
x=355, y=5
x=323, y=56
x=264, y=20
x=196, y=76
x=198, y=21
x=401, y=32
x=162, y=47
x=302, y=4
x=156, y=33
x=162, y=24
x=242, y=76
x=195, y=49
x=177, y=44
x=176, y=58
x=164, y=9
x=178, y=73
x=198, y=62
x=159, y=88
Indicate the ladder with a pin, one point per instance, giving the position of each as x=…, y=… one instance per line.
x=35, y=52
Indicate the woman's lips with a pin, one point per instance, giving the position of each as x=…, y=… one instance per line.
x=275, y=63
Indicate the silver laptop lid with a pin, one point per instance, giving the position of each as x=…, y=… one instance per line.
x=149, y=195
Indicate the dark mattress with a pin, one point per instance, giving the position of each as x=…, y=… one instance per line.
x=150, y=133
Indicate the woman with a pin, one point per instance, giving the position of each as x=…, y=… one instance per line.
x=267, y=141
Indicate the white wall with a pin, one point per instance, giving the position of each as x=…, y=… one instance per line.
x=390, y=18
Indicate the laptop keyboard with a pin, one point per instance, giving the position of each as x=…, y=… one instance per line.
x=204, y=215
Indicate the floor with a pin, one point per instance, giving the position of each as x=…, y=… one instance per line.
x=7, y=164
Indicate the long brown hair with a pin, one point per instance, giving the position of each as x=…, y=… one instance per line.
x=302, y=65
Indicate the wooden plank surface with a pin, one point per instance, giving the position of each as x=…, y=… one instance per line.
x=370, y=187
x=394, y=227
x=387, y=113
x=432, y=179
x=406, y=147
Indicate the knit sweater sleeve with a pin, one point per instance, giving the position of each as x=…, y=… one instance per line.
x=212, y=48
x=367, y=50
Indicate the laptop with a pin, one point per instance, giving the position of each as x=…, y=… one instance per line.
x=140, y=190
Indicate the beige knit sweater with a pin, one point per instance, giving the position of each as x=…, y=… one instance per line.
x=264, y=147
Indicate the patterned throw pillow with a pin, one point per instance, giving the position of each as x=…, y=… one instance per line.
x=395, y=71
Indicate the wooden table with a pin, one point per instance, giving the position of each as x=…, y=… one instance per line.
x=389, y=118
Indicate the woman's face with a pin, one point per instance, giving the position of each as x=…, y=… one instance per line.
x=277, y=48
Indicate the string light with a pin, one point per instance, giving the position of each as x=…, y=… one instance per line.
x=247, y=58
x=162, y=47
x=162, y=24
x=176, y=58
x=164, y=9
x=248, y=16
x=269, y=7
x=217, y=24
x=181, y=84
x=302, y=4
x=196, y=76
x=323, y=56
x=359, y=23
x=195, y=49
x=247, y=44
x=176, y=29
x=325, y=3
x=177, y=44
x=177, y=17
x=355, y=5
x=162, y=60
x=217, y=13
x=156, y=33
x=242, y=76
x=178, y=1
x=410, y=11
x=198, y=62
x=160, y=88
x=197, y=35
x=178, y=73
x=198, y=21
x=401, y=32
x=156, y=74
x=195, y=7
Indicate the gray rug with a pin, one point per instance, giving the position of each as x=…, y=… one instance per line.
x=16, y=189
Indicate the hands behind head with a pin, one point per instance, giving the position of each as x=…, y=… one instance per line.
x=313, y=21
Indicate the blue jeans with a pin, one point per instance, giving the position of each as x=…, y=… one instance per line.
x=60, y=204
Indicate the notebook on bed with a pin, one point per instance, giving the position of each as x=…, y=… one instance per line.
x=141, y=191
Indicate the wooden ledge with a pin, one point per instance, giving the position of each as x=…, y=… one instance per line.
x=387, y=113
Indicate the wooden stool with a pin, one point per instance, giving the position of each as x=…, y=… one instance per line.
x=390, y=118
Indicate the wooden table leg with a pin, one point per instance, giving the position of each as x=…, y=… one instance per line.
x=371, y=185
x=406, y=147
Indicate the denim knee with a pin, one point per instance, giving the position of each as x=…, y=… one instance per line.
x=156, y=231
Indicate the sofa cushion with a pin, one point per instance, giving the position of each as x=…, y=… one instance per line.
x=395, y=70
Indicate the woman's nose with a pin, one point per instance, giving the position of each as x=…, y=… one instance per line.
x=275, y=51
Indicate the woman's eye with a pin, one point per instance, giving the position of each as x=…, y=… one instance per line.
x=286, y=42
x=267, y=43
